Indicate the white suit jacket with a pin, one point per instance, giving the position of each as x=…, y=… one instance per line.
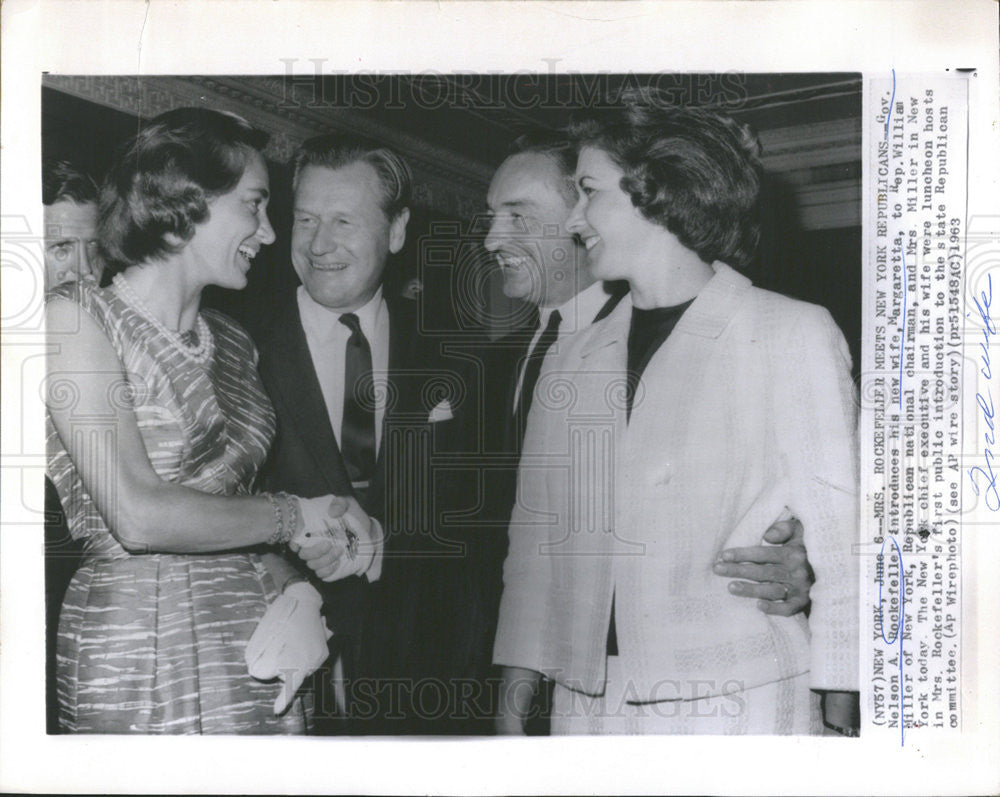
x=746, y=409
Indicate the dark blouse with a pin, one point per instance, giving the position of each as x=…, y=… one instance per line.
x=647, y=332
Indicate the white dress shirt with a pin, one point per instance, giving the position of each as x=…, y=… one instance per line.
x=327, y=339
x=578, y=313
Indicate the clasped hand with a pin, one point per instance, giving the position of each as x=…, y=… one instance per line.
x=337, y=539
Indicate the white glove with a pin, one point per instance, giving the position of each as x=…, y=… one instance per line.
x=289, y=642
x=322, y=518
x=337, y=539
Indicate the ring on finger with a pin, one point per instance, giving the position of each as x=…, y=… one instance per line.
x=787, y=592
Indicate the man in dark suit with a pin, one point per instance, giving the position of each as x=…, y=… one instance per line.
x=416, y=646
x=541, y=265
x=364, y=405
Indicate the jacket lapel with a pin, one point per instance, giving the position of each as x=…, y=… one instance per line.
x=715, y=305
x=401, y=330
x=521, y=338
x=518, y=342
x=617, y=291
x=694, y=340
x=298, y=389
x=610, y=329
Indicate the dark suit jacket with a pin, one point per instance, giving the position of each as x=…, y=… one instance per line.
x=398, y=627
x=63, y=555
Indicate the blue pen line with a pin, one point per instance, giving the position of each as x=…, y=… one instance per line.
x=899, y=627
x=881, y=625
x=891, y=103
x=902, y=341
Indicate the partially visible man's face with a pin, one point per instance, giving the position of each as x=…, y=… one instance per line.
x=341, y=236
x=70, y=241
x=541, y=262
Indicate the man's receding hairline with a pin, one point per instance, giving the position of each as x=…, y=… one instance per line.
x=565, y=184
x=560, y=181
x=376, y=176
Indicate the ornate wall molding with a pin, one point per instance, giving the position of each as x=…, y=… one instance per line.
x=811, y=145
x=803, y=156
x=830, y=205
x=447, y=182
x=444, y=181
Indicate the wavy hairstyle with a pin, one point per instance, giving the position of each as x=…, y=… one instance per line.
x=335, y=150
x=61, y=180
x=162, y=181
x=693, y=171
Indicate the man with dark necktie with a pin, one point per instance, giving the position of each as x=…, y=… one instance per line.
x=541, y=265
x=348, y=373
x=529, y=200
x=350, y=378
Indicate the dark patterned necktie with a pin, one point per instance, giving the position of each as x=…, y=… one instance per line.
x=532, y=369
x=357, y=436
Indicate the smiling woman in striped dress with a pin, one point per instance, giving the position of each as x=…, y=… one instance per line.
x=157, y=424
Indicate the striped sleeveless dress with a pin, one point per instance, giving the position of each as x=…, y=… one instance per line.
x=154, y=643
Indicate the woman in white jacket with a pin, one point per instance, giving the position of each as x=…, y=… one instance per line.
x=700, y=411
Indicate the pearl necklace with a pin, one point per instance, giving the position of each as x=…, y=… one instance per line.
x=199, y=354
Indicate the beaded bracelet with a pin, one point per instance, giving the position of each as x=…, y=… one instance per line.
x=285, y=521
x=278, y=526
x=293, y=514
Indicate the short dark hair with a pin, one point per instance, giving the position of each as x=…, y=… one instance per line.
x=693, y=171
x=162, y=181
x=61, y=180
x=335, y=150
x=558, y=148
